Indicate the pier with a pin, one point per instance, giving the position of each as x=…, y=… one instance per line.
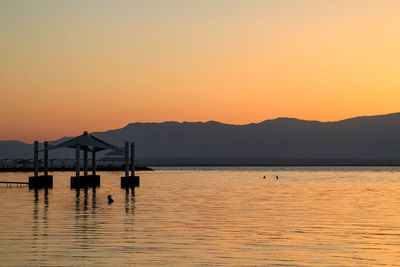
x=86, y=143
x=8, y=184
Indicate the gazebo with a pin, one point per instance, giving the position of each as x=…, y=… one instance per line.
x=87, y=143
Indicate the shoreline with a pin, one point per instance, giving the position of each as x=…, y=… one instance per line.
x=21, y=169
x=145, y=168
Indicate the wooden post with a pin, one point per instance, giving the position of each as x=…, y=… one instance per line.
x=94, y=162
x=132, y=159
x=126, y=159
x=46, y=158
x=85, y=162
x=36, y=158
x=78, y=160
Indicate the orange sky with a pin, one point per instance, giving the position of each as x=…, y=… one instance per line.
x=69, y=66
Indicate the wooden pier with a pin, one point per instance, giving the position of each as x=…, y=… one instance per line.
x=16, y=183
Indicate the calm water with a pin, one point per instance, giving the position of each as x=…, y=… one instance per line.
x=231, y=216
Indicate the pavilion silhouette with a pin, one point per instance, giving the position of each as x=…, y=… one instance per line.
x=86, y=143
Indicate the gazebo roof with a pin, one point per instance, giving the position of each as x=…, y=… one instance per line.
x=86, y=142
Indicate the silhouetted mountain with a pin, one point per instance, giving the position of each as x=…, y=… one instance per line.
x=374, y=137
x=15, y=149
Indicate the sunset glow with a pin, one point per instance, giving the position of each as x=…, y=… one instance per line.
x=69, y=66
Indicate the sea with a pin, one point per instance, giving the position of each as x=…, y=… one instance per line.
x=208, y=216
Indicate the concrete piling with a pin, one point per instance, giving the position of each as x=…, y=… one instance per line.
x=40, y=181
x=36, y=158
x=78, y=160
x=126, y=159
x=93, y=163
x=85, y=162
x=46, y=158
x=132, y=159
x=130, y=181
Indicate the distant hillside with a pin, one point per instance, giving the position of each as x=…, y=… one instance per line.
x=15, y=149
x=369, y=138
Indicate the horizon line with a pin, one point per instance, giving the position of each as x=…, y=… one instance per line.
x=244, y=124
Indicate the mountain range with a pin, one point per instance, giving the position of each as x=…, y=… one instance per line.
x=368, y=139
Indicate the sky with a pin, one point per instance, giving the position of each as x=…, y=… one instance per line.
x=69, y=66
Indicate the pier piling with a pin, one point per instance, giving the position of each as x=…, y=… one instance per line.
x=46, y=158
x=40, y=181
x=126, y=159
x=85, y=162
x=132, y=159
x=36, y=158
x=130, y=181
x=77, y=160
x=93, y=163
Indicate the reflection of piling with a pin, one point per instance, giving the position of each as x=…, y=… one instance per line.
x=132, y=180
x=41, y=181
x=94, y=198
x=129, y=200
x=78, y=201
x=36, y=192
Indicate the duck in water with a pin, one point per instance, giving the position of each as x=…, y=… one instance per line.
x=110, y=200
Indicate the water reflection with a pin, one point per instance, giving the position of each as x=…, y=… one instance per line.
x=85, y=204
x=310, y=218
x=40, y=225
x=85, y=226
x=129, y=218
x=36, y=207
x=129, y=200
